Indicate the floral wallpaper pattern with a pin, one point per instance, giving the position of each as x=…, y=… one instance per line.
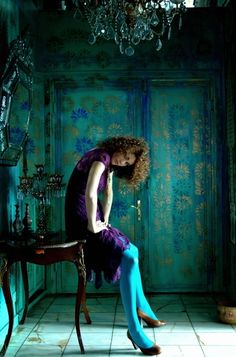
x=183, y=167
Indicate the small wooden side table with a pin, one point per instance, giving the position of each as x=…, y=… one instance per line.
x=51, y=249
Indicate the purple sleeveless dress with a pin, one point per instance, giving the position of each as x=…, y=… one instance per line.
x=103, y=250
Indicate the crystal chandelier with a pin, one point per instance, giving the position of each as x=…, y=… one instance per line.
x=128, y=22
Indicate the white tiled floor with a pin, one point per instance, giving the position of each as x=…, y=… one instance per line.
x=192, y=329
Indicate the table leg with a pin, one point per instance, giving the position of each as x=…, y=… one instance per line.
x=26, y=290
x=7, y=295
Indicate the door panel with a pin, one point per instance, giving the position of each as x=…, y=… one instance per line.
x=182, y=188
x=179, y=234
x=86, y=114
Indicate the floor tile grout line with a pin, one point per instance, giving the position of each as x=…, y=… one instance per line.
x=112, y=332
x=46, y=309
x=190, y=320
x=170, y=302
x=62, y=353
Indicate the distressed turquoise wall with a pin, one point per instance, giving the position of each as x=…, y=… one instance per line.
x=14, y=16
x=62, y=56
x=62, y=47
x=230, y=31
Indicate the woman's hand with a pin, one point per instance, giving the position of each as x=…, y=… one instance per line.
x=98, y=227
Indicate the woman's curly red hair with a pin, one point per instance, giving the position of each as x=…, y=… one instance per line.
x=137, y=172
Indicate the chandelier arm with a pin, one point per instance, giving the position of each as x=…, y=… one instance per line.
x=128, y=22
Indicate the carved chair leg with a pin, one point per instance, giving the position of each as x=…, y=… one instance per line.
x=82, y=277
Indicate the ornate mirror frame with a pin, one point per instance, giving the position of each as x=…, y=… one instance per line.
x=15, y=101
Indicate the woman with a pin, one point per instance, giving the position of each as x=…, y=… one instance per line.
x=107, y=249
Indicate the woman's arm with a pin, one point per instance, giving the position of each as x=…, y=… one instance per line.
x=94, y=176
x=107, y=198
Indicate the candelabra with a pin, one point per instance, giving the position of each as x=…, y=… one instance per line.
x=42, y=186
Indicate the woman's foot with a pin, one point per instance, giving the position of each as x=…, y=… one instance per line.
x=149, y=321
x=151, y=351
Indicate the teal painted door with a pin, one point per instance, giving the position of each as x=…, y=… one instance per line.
x=179, y=231
x=184, y=235
x=86, y=113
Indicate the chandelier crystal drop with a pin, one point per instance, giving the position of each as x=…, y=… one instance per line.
x=128, y=22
